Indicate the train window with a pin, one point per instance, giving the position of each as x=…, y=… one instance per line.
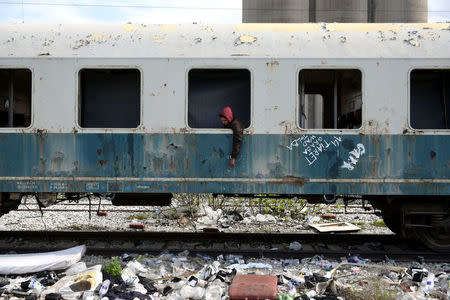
x=430, y=99
x=330, y=98
x=210, y=90
x=109, y=98
x=15, y=98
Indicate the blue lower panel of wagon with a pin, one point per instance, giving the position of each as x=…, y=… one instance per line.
x=197, y=163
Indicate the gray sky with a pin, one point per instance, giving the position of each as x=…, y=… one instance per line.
x=438, y=10
x=146, y=11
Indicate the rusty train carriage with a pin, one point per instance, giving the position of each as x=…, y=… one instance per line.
x=330, y=109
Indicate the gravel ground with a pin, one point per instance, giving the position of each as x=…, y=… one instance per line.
x=192, y=213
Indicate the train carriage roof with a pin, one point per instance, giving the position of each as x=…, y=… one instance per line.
x=311, y=40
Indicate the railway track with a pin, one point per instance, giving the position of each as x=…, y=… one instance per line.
x=374, y=247
x=148, y=210
x=108, y=207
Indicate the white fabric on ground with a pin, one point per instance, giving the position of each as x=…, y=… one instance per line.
x=37, y=262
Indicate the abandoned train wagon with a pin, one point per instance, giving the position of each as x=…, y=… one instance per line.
x=330, y=110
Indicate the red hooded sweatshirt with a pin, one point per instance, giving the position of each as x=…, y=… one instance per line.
x=237, y=128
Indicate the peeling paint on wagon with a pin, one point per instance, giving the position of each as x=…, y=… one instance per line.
x=245, y=39
x=276, y=40
x=158, y=39
x=168, y=160
x=169, y=27
x=130, y=27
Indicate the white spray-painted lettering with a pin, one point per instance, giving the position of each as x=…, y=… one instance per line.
x=353, y=157
x=313, y=146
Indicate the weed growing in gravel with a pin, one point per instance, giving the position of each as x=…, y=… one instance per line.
x=83, y=227
x=379, y=224
x=142, y=216
x=286, y=208
x=113, y=268
x=362, y=225
x=190, y=201
x=218, y=202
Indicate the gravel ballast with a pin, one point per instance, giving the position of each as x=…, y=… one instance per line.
x=229, y=215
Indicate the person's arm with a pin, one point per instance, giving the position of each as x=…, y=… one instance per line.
x=238, y=131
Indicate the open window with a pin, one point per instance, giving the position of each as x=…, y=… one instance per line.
x=430, y=99
x=15, y=98
x=109, y=98
x=330, y=98
x=210, y=90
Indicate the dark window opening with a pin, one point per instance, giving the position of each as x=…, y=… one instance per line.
x=110, y=98
x=15, y=98
x=430, y=99
x=210, y=90
x=330, y=99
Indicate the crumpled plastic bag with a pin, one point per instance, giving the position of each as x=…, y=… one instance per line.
x=72, y=286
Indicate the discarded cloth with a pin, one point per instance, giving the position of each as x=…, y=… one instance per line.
x=37, y=262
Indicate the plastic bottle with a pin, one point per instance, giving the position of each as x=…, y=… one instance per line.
x=88, y=295
x=189, y=292
x=448, y=288
x=430, y=283
x=423, y=285
x=36, y=285
x=104, y=288
x=213, y=292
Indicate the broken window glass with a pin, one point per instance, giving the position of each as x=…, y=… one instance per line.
x=15, y=98
x=210, y=90
x=110, y=98
x=330, y=99
x=430, y=94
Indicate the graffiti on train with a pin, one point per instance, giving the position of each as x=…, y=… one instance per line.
x=314, y=146
x=353, y=157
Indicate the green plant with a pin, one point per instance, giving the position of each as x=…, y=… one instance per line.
x=379, y=224
x=191, y=202
x=142, y=216
x=218, y=202
x=113, y=268
x=286, y=208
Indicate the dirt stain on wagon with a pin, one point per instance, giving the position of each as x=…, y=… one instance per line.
x=272, y=64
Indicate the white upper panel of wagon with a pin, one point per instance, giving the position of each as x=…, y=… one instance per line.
x=324, y=40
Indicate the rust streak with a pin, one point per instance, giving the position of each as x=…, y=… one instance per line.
x=432, y=155
x=293, y=180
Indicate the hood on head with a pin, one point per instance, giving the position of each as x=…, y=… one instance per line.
x=227, y=113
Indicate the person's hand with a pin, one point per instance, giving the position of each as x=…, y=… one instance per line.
x=232, y=162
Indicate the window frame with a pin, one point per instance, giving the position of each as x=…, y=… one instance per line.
x=408, y=87
x=216, y=67
x=32, y=96
x=78, y=97
x=328, y=130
